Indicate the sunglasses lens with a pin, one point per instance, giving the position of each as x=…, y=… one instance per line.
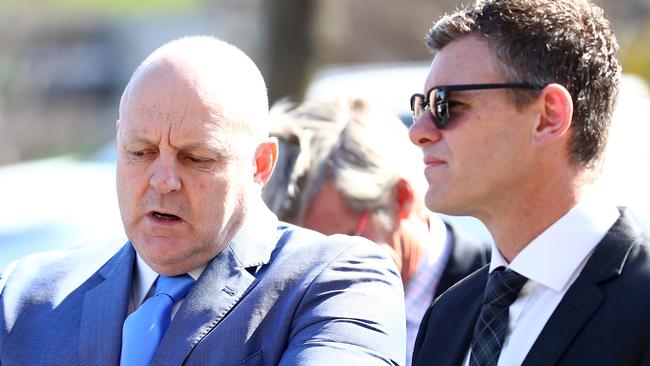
x=440, y=110
x=440, y=124
x=417, y=105
x=437, y=100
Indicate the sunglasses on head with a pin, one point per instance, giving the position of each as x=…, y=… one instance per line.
x=437, y=99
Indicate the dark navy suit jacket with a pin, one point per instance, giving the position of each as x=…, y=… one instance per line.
x=603, y=319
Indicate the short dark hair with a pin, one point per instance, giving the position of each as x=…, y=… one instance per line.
x=568, y=42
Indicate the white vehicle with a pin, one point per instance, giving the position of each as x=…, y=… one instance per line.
x=387, y=84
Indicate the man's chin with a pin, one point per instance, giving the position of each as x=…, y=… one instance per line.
x=160, y=249
x=167, y=265
x=170, y=270
x=435, y=203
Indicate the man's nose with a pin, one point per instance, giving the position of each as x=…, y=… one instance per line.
x=423, y=132
x=165, y=177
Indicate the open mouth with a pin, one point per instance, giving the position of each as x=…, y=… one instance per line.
x=164, y=216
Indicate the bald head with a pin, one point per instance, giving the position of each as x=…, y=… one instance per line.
x=201, y=75
x=193, y=152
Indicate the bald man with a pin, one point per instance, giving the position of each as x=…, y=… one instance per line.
x=209, y=276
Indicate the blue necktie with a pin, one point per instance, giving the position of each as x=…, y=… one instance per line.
x=144, y=328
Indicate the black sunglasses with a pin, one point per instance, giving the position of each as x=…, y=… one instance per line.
x=440, y=97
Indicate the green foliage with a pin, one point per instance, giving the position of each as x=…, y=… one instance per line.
x=103, y=5
x=635, y=55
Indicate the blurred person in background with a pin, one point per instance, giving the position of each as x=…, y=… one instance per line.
x=209, y=275
x=305, y=134
x=355, y=172
x=512, y=122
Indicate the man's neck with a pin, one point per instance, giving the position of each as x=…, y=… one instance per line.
x=529, y=215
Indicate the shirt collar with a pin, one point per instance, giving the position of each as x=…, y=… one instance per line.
x=564, y=245
x=145, y=277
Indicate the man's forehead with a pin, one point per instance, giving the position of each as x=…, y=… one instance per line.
x=168, y=123
x=173, y=97
x=199, y=137
x=468, y=60
x=172, y=90
x=175, y=102
x=175, y=111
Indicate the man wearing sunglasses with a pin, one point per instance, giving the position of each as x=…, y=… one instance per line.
x=512, y=123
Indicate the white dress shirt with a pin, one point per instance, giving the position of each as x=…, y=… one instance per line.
x=551, y=262
x=142, y=284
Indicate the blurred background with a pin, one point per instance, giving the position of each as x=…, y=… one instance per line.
x=64, y=64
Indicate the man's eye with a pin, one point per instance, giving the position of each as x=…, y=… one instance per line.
x=453, y=103
x=198, y=162
x=194, y=159
x=140, y=155
x=455, y=106
x=456, y=109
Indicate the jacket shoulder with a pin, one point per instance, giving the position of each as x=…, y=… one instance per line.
x=300, y=242
x=48, y=275
x=349, y=286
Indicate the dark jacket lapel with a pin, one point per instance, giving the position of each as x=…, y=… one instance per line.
x=224, y=282
x=585, y=296
x=457, y=311
x=463, y=337
x=104, y=309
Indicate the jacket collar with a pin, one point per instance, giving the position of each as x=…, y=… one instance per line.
x=104, y=309
x=224, y=282
x=585, y=296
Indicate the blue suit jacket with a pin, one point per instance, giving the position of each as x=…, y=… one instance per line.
x=277, y=295
x=603, y=319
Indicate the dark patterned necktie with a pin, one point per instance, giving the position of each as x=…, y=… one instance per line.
x=501, y=291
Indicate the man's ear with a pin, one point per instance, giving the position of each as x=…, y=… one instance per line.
x=404, y=198
x=556, y=111
x=266, y=156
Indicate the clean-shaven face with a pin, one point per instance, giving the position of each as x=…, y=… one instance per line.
x=482, y=157
x=181, y=176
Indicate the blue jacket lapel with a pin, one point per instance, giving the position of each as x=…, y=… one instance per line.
x=584, y=296
x=224, y=282
x=104, y=309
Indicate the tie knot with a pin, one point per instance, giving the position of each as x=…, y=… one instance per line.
x=175, y=287
x=503, y=286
